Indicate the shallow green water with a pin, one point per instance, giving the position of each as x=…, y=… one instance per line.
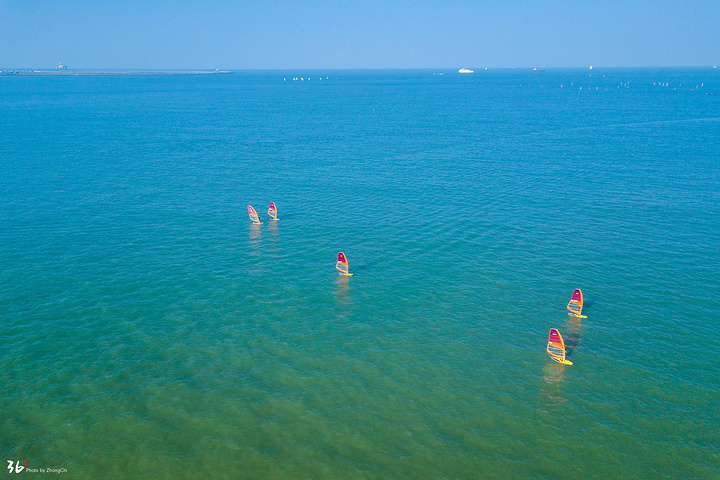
x=150, y=331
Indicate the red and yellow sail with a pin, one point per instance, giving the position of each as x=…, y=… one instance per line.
x=272, y=211
x=253, y=215
x=556, y=347
x=575, y=305
x=342, y=265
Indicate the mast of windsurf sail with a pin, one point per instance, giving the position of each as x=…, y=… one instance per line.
x=272, y=211
x=556, y=345
x=342, y=265
x=253, y=215
x=575, y=305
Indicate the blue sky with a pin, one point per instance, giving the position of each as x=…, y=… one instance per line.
x=357, y=34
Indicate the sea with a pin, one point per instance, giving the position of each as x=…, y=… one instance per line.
x=149, y=330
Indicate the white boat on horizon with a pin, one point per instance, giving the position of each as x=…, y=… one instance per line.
x=466, y=70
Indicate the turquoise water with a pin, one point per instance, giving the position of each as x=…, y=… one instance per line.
x=150, y=331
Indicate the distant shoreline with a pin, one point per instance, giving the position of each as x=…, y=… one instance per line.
x=105, y=73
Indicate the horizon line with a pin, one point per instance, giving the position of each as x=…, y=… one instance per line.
x=454, y=68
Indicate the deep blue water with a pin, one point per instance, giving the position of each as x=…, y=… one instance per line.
x=150, y=331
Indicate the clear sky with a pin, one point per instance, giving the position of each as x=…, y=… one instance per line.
x=209, y=34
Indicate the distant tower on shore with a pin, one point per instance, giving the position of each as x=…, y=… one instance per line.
x=61, y=67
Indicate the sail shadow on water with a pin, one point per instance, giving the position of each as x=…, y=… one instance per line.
x=551, y=396
x=367, y=265
x=342, y=289
x=572, y=338
x=343, y=305
x=554, y=374
x=255, y=235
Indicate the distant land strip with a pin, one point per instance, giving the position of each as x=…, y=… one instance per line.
x=110, y=72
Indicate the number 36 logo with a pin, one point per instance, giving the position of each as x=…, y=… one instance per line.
x=18, y=468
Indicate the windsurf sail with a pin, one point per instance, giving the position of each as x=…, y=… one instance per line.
x=253, y=215
x=342, y=265
x=556, y=346
x=575, y=305
x=272, y=211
